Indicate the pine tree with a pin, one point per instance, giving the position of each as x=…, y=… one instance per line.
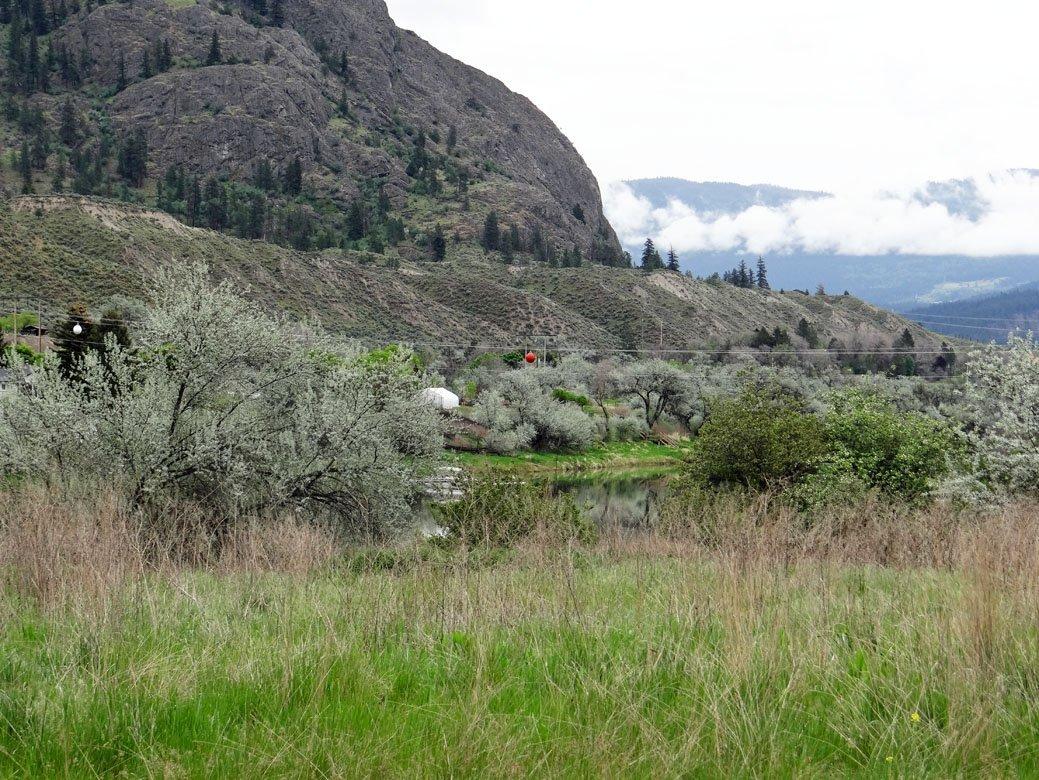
x=762, y=274
x=163, y=56
x=506, y=248
x=672, y=260
x=132, y=163
x=60, y=172
x=193, y=206
x=382, y=203
x=68, y=128
x=215, y=197
x=69, y=345
x=905, y=341
x=214, y=57
x=356, y=221
x=742, y=275
x=293, y=180
x=25, y=168
x=263, y=179
x=651, y=260
x=120, y=79
x=438, y=244
x=491, y=239
x=31, y=73
x=277, y=13
x=146, y=65
x=452, y=138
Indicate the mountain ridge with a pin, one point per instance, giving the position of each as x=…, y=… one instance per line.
x=380, y=124
x=77, y=249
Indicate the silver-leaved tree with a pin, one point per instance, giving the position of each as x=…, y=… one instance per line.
x=220, y=402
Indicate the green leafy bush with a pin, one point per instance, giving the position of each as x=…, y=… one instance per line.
x=568, y=396
x=763, y=438
x=901, y=454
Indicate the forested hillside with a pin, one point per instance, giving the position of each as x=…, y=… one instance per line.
x=307, y=124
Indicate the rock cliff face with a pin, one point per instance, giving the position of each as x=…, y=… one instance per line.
x=280, y=92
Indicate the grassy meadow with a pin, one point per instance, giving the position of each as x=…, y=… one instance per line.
x=872, y=645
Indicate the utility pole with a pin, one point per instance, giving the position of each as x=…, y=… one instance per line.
x=39, y=325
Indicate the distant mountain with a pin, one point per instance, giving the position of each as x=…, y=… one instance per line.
x=902, y=281
x=984, y=317
x=713, y=197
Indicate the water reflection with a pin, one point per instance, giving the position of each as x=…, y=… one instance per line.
x=613, y=501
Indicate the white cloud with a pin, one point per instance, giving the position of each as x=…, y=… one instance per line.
x=850, y=224
x=805, y=93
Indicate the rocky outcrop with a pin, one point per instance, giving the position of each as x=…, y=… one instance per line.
x=273, y=97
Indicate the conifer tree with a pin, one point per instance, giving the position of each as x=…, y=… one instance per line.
x=214, y=57
x=69, y=345
x=25, y=168
x=651, y=260
x=672, y=260
x=491, y=239
x=193, y=206
x=293, y=180
x=762, y=274
x=742, y=275
x=60, y=171
x=120, y=79
x=263, y=179
x=133, y=158
x=356, y=221
x=277, y=13
x=68, y=130
x=146, y=65
x=438, y=244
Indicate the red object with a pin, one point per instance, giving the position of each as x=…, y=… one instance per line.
x=530, y=357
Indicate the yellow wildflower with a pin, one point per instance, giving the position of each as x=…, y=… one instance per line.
x=915, y=717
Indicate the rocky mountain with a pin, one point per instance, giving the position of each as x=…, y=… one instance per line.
x=58, y=250
x=313, y=123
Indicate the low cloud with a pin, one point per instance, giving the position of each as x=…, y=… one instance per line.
x=982, y=217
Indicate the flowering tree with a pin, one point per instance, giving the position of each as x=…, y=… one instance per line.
x=224, y=404
x=1001, y=400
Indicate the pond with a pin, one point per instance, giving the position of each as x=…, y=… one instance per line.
x=624, y=500
x=612, y=500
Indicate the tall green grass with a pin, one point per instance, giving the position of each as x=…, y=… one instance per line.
x=645, y=657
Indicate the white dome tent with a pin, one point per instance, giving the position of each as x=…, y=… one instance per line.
x=440, y=397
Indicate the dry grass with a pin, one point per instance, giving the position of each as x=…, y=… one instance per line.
x=742, y=642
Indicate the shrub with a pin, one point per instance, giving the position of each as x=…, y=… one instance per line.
x=1001, y=399
x=521, y=413
x=570, y=397
x=631, y=428
x=901, y=454
x=220, y=403
x=763, y=438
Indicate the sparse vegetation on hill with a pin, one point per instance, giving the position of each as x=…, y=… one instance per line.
x=66, y=250
x=305, y=125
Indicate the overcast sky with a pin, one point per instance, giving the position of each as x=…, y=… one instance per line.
x=818, y=94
